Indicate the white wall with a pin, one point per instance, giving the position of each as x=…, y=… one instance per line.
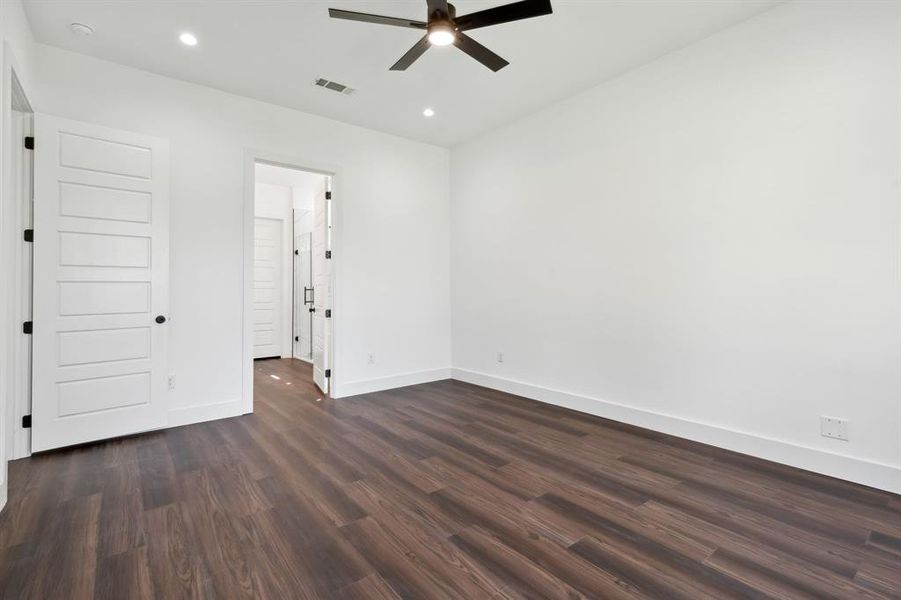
x=15, y=52
x=393, y=196
x=275, y=201
x=708, y=245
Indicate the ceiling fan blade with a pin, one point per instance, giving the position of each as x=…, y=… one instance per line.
x=439, y=5
x=337, y=13
x=412, y=54
x=479, y=52
x=526, y=9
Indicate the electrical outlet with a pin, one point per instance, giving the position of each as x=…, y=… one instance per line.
x=371, y=359
x=500, y=357
x=171, y=382
x=833, y=427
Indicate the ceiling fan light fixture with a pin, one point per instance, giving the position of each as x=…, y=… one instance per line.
x=441, y=34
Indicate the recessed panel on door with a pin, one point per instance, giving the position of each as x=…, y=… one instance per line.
x=264, y=295
x=96, y=202
x=104, y=345
x=105, y=156
x=103, y=393
x=77, y=249
x=80, y=298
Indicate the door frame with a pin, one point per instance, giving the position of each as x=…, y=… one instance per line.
x=14, y=400
x=251, y=157
x=24, y=272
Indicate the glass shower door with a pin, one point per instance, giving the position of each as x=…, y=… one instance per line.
x=303, y=296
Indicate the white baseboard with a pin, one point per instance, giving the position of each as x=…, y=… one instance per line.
x=205, y=412
x=874, y=474
x=4, y=491
x=366, y=386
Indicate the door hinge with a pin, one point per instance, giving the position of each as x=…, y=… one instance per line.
x=328, y=195
x=296, y=338
x=27, y=327
x=29, y=142
x=297, y=253
x=26, y=421
x=328, y=253
x=29, y=235
x=328, y=373
x=328, y=313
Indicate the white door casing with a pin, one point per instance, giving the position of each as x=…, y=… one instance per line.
x=21, y=182
x=267, y=287
x=101, y=279
x=322, y=286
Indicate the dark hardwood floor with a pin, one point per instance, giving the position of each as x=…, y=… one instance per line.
x=443, y=490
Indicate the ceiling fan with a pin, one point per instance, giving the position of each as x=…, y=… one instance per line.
x=443, y=28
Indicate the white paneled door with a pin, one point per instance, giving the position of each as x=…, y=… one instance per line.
x=101, y=279
x=267, y=287
x=322, y=288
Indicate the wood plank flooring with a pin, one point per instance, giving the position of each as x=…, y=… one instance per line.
x=442, y=490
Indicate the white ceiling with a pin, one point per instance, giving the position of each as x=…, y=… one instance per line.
x=273, y=50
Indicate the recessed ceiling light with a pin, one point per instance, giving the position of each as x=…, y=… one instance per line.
x=81, y=29
x=429, y=112
x=188, y=39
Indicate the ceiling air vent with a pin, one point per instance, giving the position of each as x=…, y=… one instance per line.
x=334, y=86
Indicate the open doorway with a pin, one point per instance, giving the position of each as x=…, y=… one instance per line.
x=292, y=267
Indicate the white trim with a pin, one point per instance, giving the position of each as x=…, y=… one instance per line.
x=206, y=412
x=20, y=378
x=897, y=274
x=391, y=382
x=878, y=475
x=251, y=157
x=24, y=271
x=14, y=440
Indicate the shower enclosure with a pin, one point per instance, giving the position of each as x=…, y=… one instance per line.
x=303, y=295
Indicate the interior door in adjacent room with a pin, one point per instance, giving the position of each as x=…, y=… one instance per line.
x=322, y=287
x=267, y=287
x=101, y=277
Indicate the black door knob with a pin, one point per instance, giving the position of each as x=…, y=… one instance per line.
x=160, y=319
